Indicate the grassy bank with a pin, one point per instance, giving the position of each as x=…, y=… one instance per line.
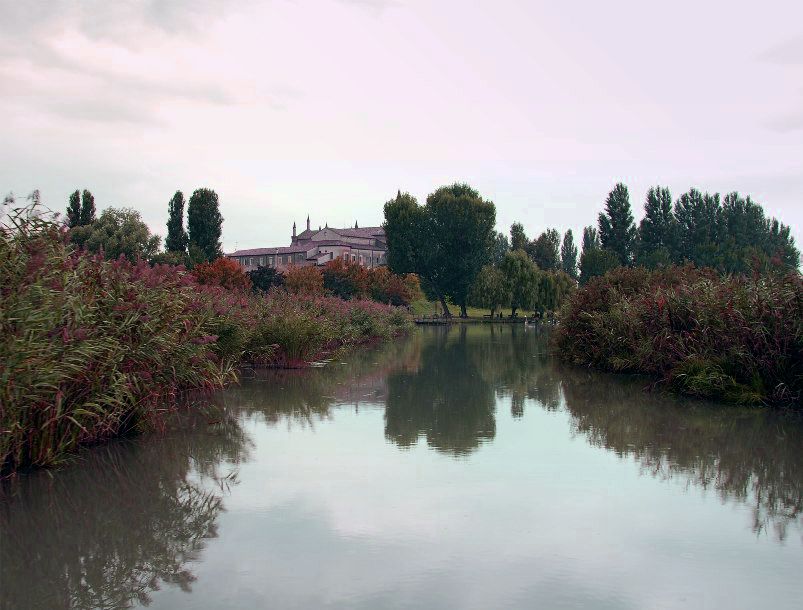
x=92, y=349
x=737, y=339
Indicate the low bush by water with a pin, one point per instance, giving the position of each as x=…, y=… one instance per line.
x=91, y=349
x=735, y=338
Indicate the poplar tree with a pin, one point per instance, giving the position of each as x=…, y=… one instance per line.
x=657, y=230
x=545, y=250
x=594, y=259
x=87, y=208
x=518, y=238
x=74, y=210
x=176, y=240
x=568, y=255
x=617, y=231
x=205, y=225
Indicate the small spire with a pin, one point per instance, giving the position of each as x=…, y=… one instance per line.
x=294, y=230
x=307, y=222
x=355, y=225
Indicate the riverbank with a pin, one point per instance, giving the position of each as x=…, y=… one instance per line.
x=93, y=349
x=735, y=338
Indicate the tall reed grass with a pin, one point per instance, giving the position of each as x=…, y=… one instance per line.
x=737, y=338
x=91, y=349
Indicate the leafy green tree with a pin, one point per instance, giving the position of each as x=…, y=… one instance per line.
x=490, y=290
x=546, y=250
x=265, y=278
x=594, y=259
x=446, y=242
x=500, y=248
x=568, y=255
x=590, y=239
x=176, y=240
x=617, y=231
x=523, y=280
x=74, y=210
x=553, y=288
x=117, y=232
x=698, y=220
x=595, y=262
x=87, y=208
x=747, y=238
x=657, y=230
x=205, y=225
x=518, y=238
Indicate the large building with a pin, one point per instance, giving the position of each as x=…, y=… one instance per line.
x=365, y=246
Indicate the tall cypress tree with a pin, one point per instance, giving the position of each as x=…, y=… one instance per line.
x=87, y=208
x=657, y=230
x=176, y=240
x=205, y=225
x=568, y=254
x=74, y=210
x=617, y=231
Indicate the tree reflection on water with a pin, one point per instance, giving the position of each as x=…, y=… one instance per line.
x=106, y=532
x=450, y=395
x=748, y=456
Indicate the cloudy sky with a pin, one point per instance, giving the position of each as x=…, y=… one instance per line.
x=327, y=107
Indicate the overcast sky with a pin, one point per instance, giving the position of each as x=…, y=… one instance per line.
x=328, y=107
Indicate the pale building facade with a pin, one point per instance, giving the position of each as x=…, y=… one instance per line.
x=365, y=246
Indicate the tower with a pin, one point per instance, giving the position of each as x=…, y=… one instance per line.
x=294, y=232
x=307, y=222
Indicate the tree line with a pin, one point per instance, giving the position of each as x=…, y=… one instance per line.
x=122, y=232
x=730, y=234
x=451, y=243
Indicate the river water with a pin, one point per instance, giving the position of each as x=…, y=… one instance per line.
x=456, y=468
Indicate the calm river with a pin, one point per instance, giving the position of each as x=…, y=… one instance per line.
x=458, y=468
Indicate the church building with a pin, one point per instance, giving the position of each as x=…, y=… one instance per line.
x=365, y=246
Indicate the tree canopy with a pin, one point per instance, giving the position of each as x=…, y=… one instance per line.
x=568, y=255
x=545, y=250
x=522, y=277
x=176, y=240
x=617, y=231
x=87, y=208
x=446, y=242
x=205, y=225
x=117, y=232
x=490, y=290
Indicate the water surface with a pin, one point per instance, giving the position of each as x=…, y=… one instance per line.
x=456, y=468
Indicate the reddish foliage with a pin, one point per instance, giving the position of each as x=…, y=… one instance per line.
x=303, y=279
x=223, y=272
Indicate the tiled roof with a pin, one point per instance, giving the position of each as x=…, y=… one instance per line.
x=261, y=251
x=362, y=232
x=340, y=242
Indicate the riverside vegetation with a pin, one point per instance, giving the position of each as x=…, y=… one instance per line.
x=737, y=338
x=91, y=348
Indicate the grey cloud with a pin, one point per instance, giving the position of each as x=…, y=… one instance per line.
x=102, y=111
x=789, y=52
x=786, y=123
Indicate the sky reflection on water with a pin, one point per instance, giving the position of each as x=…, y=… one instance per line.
x=459, y=468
